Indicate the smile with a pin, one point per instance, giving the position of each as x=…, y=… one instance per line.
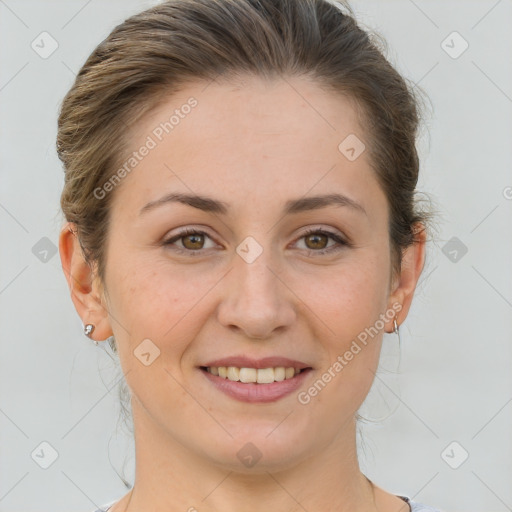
x=255, y=385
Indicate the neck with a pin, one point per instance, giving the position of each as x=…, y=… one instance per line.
x=171, y=477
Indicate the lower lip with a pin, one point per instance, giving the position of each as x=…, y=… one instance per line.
x=253, y=392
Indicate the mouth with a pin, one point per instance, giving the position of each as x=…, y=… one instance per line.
x=253, y=385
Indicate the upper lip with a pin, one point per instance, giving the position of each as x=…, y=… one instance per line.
x=265, y=362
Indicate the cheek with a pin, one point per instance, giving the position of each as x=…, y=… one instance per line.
x=348, y=298
x=159, y=318
x=350, y=304
x=147, y=302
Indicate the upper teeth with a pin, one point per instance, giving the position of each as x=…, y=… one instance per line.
x=259, y=375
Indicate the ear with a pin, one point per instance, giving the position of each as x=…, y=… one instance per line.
x=404, y=285
x=86, y=290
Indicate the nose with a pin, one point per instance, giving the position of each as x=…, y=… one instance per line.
x=256, y=301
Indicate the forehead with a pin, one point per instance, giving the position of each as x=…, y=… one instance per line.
x=257, y=106
x=251, y=138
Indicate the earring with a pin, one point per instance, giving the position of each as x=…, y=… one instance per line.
x=88, y=331
x=397, y=332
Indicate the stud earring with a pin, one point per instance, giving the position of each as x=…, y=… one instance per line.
x=88, y=329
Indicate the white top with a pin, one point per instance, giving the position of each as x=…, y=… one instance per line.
x=415, y=506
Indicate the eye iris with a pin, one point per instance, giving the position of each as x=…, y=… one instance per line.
x=194, y=244
x=317, y=236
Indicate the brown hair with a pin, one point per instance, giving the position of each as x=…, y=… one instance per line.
x=154, y=53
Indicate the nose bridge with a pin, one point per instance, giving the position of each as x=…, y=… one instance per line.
x=254, y=274
x=256, y=300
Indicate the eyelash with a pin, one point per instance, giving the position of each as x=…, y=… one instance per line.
x=190, y=231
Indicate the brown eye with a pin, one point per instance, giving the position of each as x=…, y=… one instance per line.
x=318, y=240
x=193, y=242
x=190, y=241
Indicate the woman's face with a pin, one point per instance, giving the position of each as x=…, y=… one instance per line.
x=249, y=281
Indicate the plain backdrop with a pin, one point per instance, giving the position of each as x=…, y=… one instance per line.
x=439, y=427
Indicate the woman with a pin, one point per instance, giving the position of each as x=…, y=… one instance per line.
x=241, y=227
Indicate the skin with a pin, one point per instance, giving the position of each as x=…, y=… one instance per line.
x=253, y=144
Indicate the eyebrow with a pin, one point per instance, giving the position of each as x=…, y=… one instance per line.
x=207, y=204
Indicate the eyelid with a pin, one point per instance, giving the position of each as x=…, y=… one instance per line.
x=182, y=233
x=326, y=230
x=341, y=241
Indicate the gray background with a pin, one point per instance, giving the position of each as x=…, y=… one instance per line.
x=454, y=382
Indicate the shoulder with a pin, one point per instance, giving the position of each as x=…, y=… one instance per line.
x=105, y=507
x=420, y=507
x=391, y=501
